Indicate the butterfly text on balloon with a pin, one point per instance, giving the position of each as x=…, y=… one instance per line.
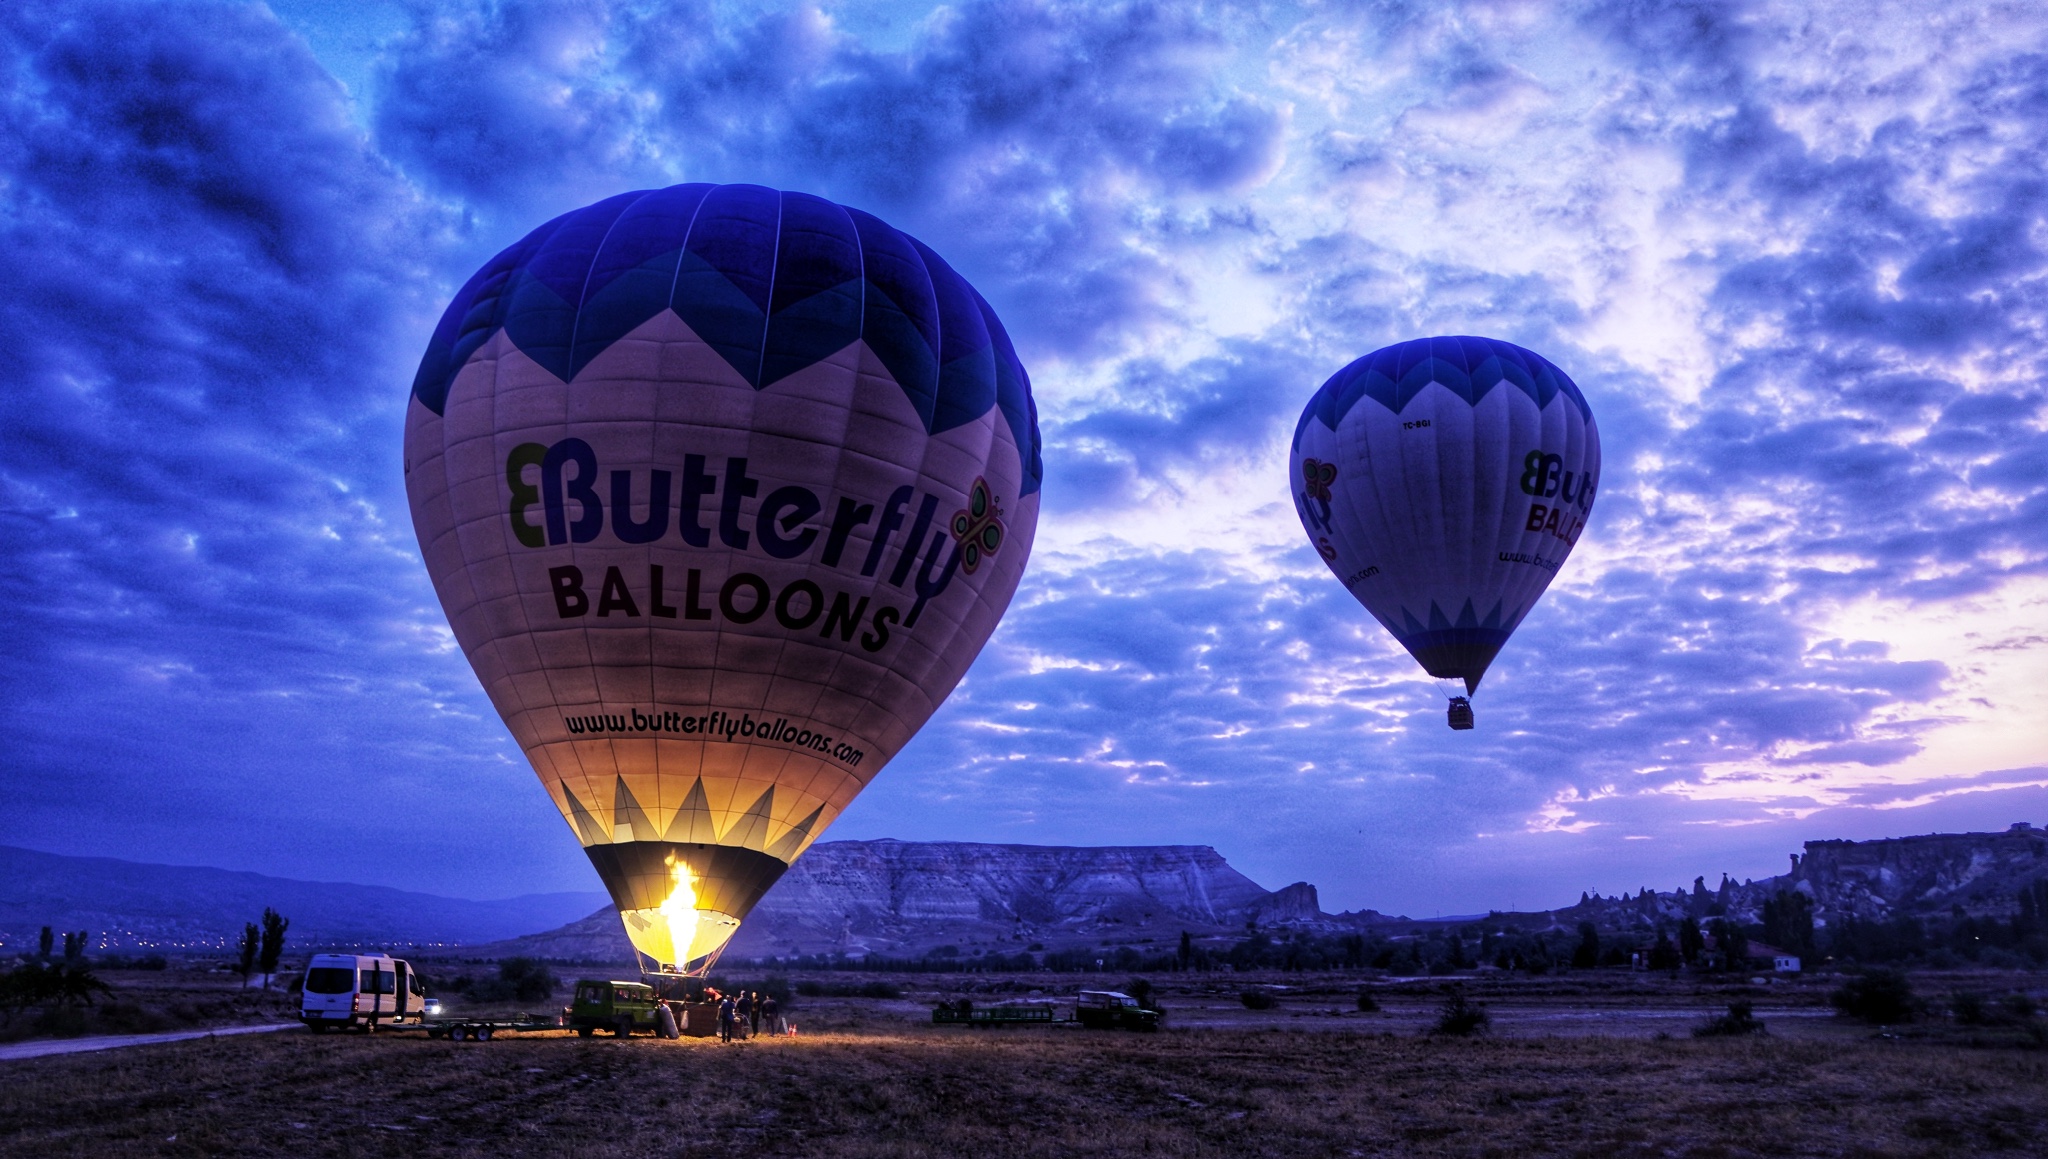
x=559, y=483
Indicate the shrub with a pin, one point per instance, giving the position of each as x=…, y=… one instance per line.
x=70, y=983
x=1739, y=1020
x=853, y=990
x=1876, y=996
x=1258, y=1000
x=518, y=980
x=1367, y=1004
x=1979, y=1010
x=1459, y=1017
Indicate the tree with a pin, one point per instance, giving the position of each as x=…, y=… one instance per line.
x=251, y=939
x=1788, y=922
x=1691, y=943
x=2033, y=906
x=1664, y=955
x=1187, y=950
x=274, y=926
x=1734, y=943
x=1587, y=955
x=43, y=951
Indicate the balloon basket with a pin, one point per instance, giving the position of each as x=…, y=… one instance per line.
x=1461, y=713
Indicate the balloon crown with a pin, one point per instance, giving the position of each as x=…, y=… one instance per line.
x=1470, y=367
x=774, y=282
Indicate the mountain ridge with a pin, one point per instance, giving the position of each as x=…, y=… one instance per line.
x=128, y=905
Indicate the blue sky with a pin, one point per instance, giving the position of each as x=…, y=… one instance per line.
x=1793, y=254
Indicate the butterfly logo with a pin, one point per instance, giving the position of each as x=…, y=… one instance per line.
x=978, y=527
x=1318, y=476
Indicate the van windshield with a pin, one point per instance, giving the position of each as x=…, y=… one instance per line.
x=330, y=980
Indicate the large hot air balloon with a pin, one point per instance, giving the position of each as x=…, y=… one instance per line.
x=1445, y=481
x=722, y=489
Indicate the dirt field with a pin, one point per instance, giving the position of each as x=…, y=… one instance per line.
x=866, y=1078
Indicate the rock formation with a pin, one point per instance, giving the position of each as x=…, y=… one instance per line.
x=905, y=899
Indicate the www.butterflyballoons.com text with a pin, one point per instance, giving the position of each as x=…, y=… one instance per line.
x=717, y=725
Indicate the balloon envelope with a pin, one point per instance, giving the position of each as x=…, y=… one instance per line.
x=722, y=489
x=1445, y=481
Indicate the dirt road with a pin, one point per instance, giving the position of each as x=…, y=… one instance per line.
x=48, y=1046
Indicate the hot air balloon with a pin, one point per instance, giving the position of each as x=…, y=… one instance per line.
x=1445, y=481
x=722, y=489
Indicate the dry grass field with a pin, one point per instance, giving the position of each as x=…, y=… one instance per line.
x=867, y=1078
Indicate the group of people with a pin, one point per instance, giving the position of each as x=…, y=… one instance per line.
x=741, y=1014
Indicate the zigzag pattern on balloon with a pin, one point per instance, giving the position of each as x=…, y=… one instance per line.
x=1469, y=367
x=774, y=282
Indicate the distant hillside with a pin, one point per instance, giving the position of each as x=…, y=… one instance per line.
x=900, y=898
x=129, y=906
x=1938, y=873
x=904, y=899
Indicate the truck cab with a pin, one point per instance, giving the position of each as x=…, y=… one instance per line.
x=1113, y=1010
x=361, y=990
x=619, y=1007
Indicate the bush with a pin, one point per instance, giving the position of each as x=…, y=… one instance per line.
x=1740, y=1020
x=1979, y=1010
x=69, y=983
x=1258, y=1000
x=853, y=990
x=1367, y=1004
x=518, y=980
x=1876, y=996
x=1459, y=1017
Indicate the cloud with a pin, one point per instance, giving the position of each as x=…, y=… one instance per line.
x=1793, y=257
x=1038, y=146
x=214, y=617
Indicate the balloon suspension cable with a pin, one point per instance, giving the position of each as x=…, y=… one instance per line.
x=663, y=970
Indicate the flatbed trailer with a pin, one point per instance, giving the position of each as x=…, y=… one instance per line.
x=484, y=1029
x=996, y=1017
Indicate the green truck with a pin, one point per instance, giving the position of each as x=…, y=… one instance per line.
x=1114, y=1010
x=618, y=1007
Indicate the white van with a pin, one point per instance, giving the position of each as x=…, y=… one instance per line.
x=361, y=990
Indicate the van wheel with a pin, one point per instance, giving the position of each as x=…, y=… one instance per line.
x=317, y=1027
x=585, y=1031
x=624, y=1029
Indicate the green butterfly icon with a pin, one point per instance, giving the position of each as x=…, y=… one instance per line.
x=978, y=526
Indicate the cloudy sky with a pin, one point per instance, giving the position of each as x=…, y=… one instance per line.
x=1795, y=255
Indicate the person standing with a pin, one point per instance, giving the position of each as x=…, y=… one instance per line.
x=744, y=1009
x=725, y=1019
x=772, y=1011
x=757, y=1013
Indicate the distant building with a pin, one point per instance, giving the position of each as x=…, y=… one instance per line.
x=1782, y=961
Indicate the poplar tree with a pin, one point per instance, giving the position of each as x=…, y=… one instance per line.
x=274, y=926
x=251, y=939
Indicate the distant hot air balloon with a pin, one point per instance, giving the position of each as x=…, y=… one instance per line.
x=722, y=489
x=1445, y=481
